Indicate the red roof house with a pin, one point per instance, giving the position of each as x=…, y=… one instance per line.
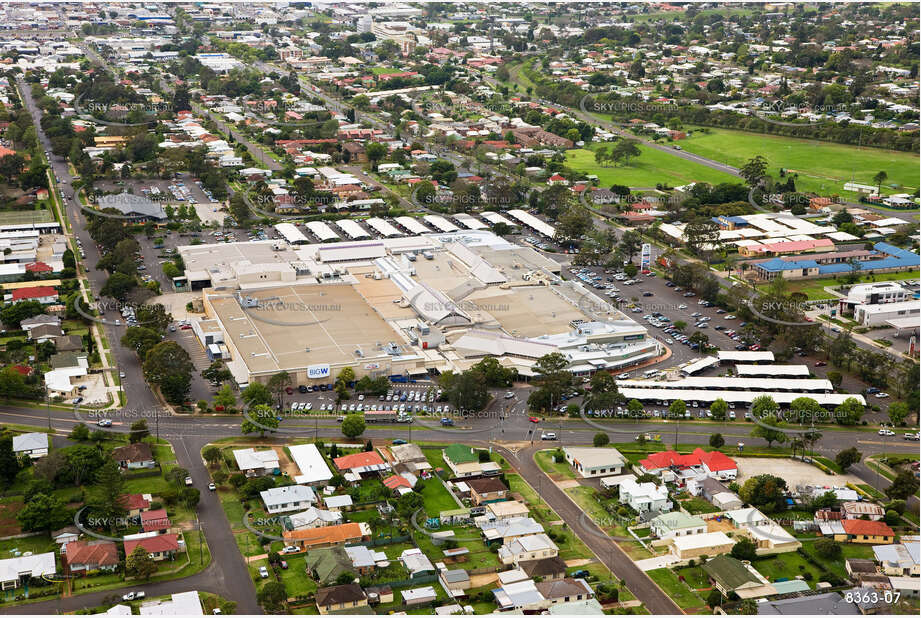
x=866, y=531
x=84, y=556
x=38, y=267
x=368, y=461
x=159, y=546
x=396, y=481
x=155, y=521
x=42, y=293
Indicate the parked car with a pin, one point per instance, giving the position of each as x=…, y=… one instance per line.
x=263, y=572
x=134, y=596
x=211, y=487
x=188, y=480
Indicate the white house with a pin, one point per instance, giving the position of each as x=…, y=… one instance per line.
x=310, y=462
x=256, y=463
x=531, y=547
x=12, y=570
x=590, y=461
x=676, y=523
x=179, y=604
x=314, y=518
x=33, y=444
x=643, y=497
x=289, y=498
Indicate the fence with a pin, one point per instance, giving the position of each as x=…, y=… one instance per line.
x=400, y=583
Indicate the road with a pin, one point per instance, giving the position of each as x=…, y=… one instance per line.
x=228, y=572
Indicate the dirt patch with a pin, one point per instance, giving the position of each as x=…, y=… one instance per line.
x=575, y=562
x=9, y=525
x=794, y=472
x=284, y=463
x=483, y=579
x=719, y=526
x=566, y=484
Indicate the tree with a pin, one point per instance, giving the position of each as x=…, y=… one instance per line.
x=553, y=380
x=106, y=495
x=278, y=383
x=43, y=513
x=212, y=455
x=118, y=285
x=718, y=409
x=849, y=412
x=835, y=378
x=744, y=549
x=346, y=376
x=764, y=491
x=168, y=366
x=879, y=178
x=216, y=373
x=903, y=485
x=272, y=595
x=828, y=548
x=601, y=439
x=754, y=170
x=716, y=440
x=80, y=432
x=139, y=564
x=892, y=517
x=635, y=408
x=466, y=390
x=141, y=339
x=226, y=398
x=714, y=598
x=898, y=412
x=256, y=394
x=375, y=151
x=353, y=425
x=847, y=458
x=677, y=409
x=190, y=496
x=139, y=431
x=263, y=419
x=765, y=430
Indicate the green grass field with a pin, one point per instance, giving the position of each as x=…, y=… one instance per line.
x=650, y=168
x=822, y=167
x=814, y=288
x=676, y=589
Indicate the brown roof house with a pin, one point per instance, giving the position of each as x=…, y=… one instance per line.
x=134, y=456
x=486, y=490
x=345, y=598
x=82, y=557
x=548, y=569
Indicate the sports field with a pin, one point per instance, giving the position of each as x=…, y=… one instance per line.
x=822, y=167
x=650, y=168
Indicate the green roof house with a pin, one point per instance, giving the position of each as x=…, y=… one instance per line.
x=730, y=575
x=676, y=523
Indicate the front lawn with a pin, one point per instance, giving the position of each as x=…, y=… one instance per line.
x=698, y=505
x=788, y=566
x=557, y=471
x=677, y=590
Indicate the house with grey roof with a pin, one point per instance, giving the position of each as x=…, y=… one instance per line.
x=289, y=498
x=33, y=445
x=824, y=604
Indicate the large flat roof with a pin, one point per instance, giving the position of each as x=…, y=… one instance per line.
x=761, y=384
x=671, y=394
x=792, y=371
x=301, y=325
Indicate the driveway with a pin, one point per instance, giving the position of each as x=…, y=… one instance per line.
x=657, y=562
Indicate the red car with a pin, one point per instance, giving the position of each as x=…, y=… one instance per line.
x=820, y=363
x=289, y=390
x=185, y=327
x=754, y=348
x=533, y=419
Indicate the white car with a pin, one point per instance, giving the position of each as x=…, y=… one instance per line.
x=669, y=341
x=886, y=432
x=548, y=436
x=263, y=572
x=882, y=395
x=133, y=596
x=104, y=422
x=682, y=306
x=188, y=480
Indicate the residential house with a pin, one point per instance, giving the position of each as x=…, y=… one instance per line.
x=45, y=332
x=519, y=595
x=671, y=466
x=564, y=590
x=45, y=294
x=821, y=604
x=419, y=596
x=65, y=535
x=256, y=463
x=40, y=320
x=862, y=510
x=364, y=560
x=341, y=502
x=400, y=484
x=697, y=545
x=899, y=560
x=545, y=568
x=312, y=518
x=644, y=497
x=288, y=498
x=531, y=547
x=866, y=531
x=312, y=465
x=409, y=458
x=462, y=460
x=364, y=464
x=13, y=570
x=416, y=562
x=179, y=604
x=65, y=366
x=82, y=557
x=32, y=445
x=676, y=523
x=732, y=576
x=325, y=565
x=344, y=598
x=507, y=530
x=589, y=462
x=486, y=490
x=507, y=509
x=455, y=580
x=327, y=536
x=135, y=504
x=134, y=456
x=155, y=521
x=159, y=546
